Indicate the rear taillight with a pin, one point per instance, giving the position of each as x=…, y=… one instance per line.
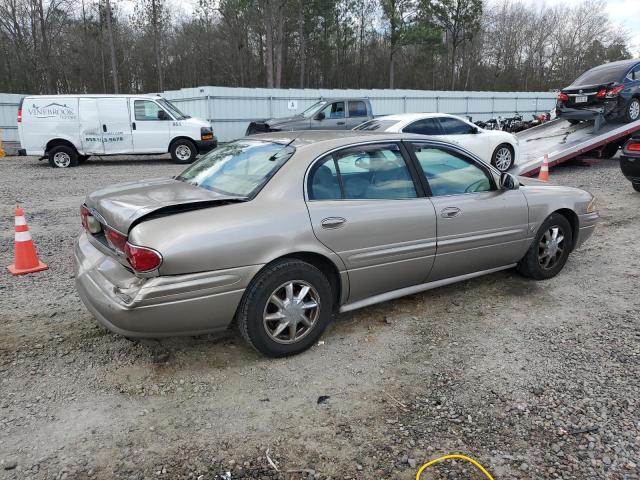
x=563, y=97
x=89, y=222
x=116, y=240
x=19, y=115
x=601, y=93
x=142, y=259
x=614, y=92
x=633, y=147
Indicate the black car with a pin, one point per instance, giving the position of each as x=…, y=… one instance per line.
x=630, y=161
x=610, y=91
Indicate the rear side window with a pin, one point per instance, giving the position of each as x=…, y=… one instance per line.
x=453, y=126
x=360, y=173
x=146, y=110
x=425, y=126
x=357, y=109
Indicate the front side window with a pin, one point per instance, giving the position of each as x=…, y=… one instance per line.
x=239, y=168
x=147, y=110
x=453, y=126
x=357, y=109
x=425, y=126
x=451, y=173
x=360, y=173
x=333, y=110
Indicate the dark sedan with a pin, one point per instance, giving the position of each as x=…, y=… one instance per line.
x=607, y=92
x=630, y=161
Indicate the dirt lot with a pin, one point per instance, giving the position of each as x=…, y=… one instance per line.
x=534, y=380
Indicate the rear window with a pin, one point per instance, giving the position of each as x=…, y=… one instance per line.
x=238, y=169
x=381, y=125
x=600, y=75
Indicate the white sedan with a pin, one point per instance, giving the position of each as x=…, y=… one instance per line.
x=500, y=147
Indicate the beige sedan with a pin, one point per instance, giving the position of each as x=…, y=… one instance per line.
x=282, y=231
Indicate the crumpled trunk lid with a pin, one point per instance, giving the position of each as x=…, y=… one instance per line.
x=122, y=205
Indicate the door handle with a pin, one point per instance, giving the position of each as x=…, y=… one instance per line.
x=333, y=222
x=104, y=127
x=133, y=125
x=450, y=212
x=340, y=123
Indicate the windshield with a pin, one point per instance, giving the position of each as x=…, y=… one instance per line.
x=173, y=109
x=381, y=125
x=239, y=168
x=602, y=75
x=309, y=112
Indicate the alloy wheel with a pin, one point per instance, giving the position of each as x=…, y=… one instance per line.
x=503, y=159
x=62, y=159
x=551, y=247
x=634, y=109
x=291, y=311
x=183, y=152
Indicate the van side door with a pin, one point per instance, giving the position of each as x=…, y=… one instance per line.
x=151, y=126
x=115, y=125
x=90, y=126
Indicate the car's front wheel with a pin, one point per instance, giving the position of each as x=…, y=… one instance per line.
x=632, y=112
x=286, y=308
x=502, y=157
x=183, y=151
x=549, y=251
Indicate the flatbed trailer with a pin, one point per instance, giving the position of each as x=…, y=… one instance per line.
x=562, y=141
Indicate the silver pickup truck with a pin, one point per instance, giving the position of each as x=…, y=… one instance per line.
x=327, y=114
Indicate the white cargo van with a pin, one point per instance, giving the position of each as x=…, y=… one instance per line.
x=67, y=129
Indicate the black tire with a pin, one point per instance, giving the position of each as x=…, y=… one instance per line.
x=83, y=158
x=632, y=111
x=531, y=265
x=62, y=156
x=574, y=122
x=257, y=301
x=183, y=151
x=495, y=161
x=636, y=186
x=609, y=150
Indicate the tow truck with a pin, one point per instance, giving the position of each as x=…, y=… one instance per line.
x=562, y=141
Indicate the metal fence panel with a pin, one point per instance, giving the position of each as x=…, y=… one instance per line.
x=231, y=109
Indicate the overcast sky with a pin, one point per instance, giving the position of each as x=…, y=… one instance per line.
x=626, y=13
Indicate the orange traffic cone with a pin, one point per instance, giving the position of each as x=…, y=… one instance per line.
x=26, y=258
x=544, y=170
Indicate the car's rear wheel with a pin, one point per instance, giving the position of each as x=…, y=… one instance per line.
x=63, y=156
x=549, y=251
x=636, y=186
x=632, y=112
x=286, y=308
x=183, y=151
x=502, y=157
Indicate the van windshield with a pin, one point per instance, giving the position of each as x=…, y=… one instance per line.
x=173, y=109
x=238, y=169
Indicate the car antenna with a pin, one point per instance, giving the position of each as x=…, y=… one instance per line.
x=273, y=157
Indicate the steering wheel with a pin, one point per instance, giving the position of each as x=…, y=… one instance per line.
x=473, y=187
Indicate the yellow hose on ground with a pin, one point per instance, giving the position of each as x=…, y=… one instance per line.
x=2, y=154
x=453, y=456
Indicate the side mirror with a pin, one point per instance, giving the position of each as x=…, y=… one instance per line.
x=162, y=115
x=475, y=130
x=508, y=182
x=319, y=116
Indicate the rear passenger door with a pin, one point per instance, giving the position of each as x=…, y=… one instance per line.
x=364, y=205
x=357, y=113
x=480, y=227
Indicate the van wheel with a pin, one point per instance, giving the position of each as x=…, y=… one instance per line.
x=183, y=151
x=63, y=156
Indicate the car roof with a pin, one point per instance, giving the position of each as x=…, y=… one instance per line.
x=414, y=116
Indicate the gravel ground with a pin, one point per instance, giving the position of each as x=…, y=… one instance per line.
x=533, y=379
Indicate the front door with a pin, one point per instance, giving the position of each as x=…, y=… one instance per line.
x=331, y=117
x=115, y=125
x=151, y=126
x=364, y=206
x=480, y=227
